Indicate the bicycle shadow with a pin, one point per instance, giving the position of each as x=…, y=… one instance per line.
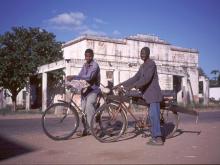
x=76, y=136
x=135, y=133
x=166, y=130
x=180, y=132
x=132, y=132
x=169, y=129
x=12, y=148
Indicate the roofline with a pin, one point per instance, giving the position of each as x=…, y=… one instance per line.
x=138, y=37
x=177, y=48
x=93, y=37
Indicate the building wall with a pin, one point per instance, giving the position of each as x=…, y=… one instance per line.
x=121, y=57
x=214, y=93
x=127, y=51
x=75, y=51
x=204, y=93
x=20, y=100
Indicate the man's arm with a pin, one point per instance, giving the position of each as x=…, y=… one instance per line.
x=74, y=77
x=129, y=83
x=147, y=76
x=90, y=75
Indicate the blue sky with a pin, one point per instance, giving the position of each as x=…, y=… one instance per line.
x=185, y=23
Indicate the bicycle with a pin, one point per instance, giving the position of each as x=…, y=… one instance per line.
x=61, y=120
x=111, y=121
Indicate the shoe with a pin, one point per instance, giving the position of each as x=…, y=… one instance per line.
x=156, y=141
x=83, y=133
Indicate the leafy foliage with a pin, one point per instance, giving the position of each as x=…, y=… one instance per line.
x=201, y=72
x=215, y=82
x=22, y=50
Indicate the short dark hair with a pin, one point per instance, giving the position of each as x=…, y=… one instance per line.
x=90, y=51
x=146, y=50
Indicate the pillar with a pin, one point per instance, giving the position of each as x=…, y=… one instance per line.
x=184, y=90
x=28, y=96
x=44, y=91
x=206, y=91
x=116, y=77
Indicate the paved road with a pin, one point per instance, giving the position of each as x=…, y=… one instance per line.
x=22, y=141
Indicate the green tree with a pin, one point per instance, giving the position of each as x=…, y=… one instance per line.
x=218, y=79
x=215, y=73
x=201, y=72
x=22, y=50
x=215, y=81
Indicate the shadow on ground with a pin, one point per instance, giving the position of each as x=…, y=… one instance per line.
x=181, y=131
x=9, y=148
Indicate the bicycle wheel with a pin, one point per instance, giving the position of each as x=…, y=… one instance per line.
x=108, y=123
x=60, y=121
x=169, y=123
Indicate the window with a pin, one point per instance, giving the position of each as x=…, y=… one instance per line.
x=201, y=87
x=109, y=75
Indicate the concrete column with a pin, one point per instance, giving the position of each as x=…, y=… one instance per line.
x=184, y=90
x=116, y=77
x=1, y=98
x=68, y=68
x=206, y=91
x=44, y=91
x=28, y=96
x=190, y=91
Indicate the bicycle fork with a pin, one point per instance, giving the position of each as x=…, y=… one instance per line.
x=140, y=123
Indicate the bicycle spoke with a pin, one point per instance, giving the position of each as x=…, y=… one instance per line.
x=58, y=122
x=111, y=124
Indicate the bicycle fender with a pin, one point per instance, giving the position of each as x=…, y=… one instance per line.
x=62, y=101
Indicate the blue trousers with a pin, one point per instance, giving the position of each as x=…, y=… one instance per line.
x=154, y=115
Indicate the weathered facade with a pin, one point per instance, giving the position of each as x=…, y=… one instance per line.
x=204, y=90
x=214, y=93
x=119, y=59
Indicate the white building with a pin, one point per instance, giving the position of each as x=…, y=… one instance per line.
x=119, y=59
x=214, y=93
x=204, y=91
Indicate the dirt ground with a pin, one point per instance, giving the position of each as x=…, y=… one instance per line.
x=194, y=144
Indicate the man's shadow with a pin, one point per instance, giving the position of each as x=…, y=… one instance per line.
x=9, y=148
x=133, y=132
x=180, y=131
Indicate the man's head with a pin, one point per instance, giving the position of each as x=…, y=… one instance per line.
x=89, y=55
x=145, y=53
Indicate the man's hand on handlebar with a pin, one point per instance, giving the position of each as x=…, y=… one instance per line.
x=71, y=77
x=121, y=87
x=128, y=88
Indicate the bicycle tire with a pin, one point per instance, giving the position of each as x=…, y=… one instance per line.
x=108, y=124
x=169, y=123
x=60, y=121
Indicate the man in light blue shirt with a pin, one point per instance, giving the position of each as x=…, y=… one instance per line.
x=90, y=72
